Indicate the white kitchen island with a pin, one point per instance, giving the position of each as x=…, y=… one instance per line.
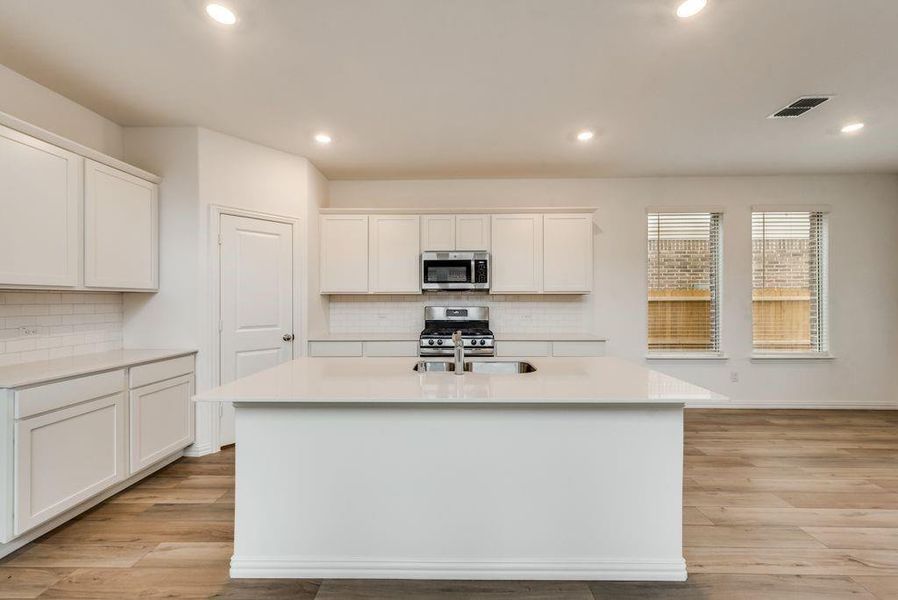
x=363, y=468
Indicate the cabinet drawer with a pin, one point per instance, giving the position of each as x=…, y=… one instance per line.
x=158, y=371
x=43, y=398
x=161, y=420
x=391, y=348
x=335, y=348
x=66, y=456
x=578, y=348
x=516, y=348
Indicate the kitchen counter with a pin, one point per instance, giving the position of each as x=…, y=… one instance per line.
x=364, y=468
x=391, y=380
x=364, y=337
x=33, y=373
x=549, y=337
x=401, y=337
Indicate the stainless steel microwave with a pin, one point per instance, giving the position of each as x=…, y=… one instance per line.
x=455, y=271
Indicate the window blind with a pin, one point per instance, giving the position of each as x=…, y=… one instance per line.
x=789, y=282
x=684, y=282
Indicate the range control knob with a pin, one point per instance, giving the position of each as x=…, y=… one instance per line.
x=483, y=342
x=439, y=342
x=430, y=342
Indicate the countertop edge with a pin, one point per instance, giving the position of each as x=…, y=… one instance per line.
x=59, y=372
x=413, y=337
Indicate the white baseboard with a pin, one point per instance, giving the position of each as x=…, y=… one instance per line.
x=794, y=405
x=202, y=449
x=600, y=570
x=58, y=520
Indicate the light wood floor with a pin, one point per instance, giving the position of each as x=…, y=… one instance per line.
x=784, y=505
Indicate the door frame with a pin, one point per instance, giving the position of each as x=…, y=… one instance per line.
x=216, y=211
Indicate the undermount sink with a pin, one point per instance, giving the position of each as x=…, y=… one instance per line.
x=498, y=367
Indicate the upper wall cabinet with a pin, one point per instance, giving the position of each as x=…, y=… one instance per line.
x=537, y=252
x=393, y=254
x=455, y=232
x=567, y=253
x=437, y=233
x=70, y=222
x=517, y=253
x=120, y=229
x=40, y=204
x=344, y=254
x=472, y=232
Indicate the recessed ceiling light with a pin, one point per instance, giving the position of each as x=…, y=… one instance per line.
x=690, y=8
x=585, y=135
x=322, y=138
x=852, y=127
x=221, y=14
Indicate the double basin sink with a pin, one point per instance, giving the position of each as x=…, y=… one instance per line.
x=499, y=367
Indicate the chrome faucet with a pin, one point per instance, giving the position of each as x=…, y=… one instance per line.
x=459, y=353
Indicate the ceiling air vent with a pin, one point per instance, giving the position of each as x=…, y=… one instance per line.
x=799, y=107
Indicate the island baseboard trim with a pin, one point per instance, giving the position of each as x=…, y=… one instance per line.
x=601, y=570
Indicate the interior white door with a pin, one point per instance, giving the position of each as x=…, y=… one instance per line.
x=256, y=301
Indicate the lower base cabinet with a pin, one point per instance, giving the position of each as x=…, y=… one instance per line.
x=161, y=420
x=66, y=456
x=65, y=442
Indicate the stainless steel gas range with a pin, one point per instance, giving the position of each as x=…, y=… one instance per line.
x=440, y=322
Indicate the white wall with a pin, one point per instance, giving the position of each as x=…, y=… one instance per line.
x=32, y=102
x=201, y=168
x=864, y=274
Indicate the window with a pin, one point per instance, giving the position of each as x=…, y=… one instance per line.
x=684, y=282
x=789, y=282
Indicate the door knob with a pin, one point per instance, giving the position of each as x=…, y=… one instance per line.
x=288, y=337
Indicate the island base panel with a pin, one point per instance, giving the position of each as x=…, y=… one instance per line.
x=588, y=492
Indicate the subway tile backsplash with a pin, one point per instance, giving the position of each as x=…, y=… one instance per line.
x=41, y=325
x=508, y=314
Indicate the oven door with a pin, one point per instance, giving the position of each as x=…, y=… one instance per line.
x=447, y=273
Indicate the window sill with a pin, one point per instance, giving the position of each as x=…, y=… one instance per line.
x=686, y=356
x=792, y=356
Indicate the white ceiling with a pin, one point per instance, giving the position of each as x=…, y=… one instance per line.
x=486, y=88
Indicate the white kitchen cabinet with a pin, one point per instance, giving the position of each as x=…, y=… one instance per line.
x=455, y=232
x=66, y=456
x=517, y=253
x=344, y=254
x=472, y=232
x=40, y=204
x=567, y=253
x=393, y=264
x=161, y=415
x=437, y=232
x=120, y=229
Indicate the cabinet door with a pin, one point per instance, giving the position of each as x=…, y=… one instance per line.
x=517, y=253
x=161, y=420
x=120, y=229
x=567, y=253
x=437, y=232
x=472, y=232
x=394, y=259
x=344, y=254
x=40, y=204
x=66, y=456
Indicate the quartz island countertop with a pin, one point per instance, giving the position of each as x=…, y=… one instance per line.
x=557, y=380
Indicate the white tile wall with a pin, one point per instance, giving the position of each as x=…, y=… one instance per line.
x=508, y=314
x=37, y=325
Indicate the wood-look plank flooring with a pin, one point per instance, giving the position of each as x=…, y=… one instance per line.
x=778, y=505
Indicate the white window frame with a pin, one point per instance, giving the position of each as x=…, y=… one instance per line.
x=823, y=286
x=718, y=353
